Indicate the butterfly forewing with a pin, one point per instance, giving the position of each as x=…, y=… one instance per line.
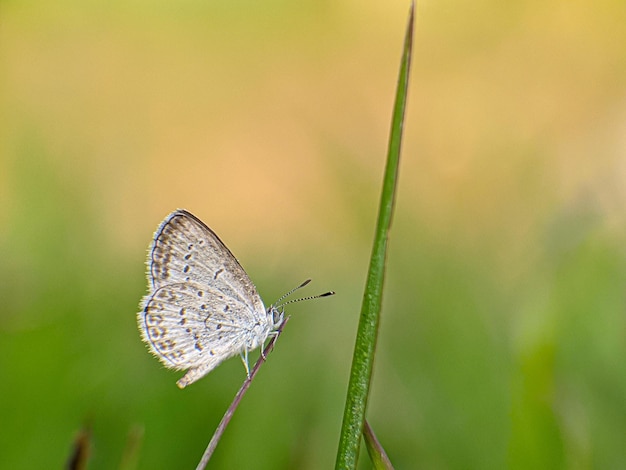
x=185, y=249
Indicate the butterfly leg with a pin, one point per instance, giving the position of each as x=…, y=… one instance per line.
x=244, y=359
x=263, y=348
x=271, y=334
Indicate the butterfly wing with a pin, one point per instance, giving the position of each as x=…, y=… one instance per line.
x=186, y=332
x=185, y=249
x=201, y=307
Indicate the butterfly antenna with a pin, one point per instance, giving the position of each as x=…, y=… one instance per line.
x=277, y=304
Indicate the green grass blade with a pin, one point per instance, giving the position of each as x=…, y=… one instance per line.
x=363, y=359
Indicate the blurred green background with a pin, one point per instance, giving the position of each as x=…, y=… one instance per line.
x=503, y=338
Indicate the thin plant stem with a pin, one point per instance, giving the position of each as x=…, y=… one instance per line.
x=217, y=435
x=378, y=456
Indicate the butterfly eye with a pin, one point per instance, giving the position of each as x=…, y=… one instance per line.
x=277, y=315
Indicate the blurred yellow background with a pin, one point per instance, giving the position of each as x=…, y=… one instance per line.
x=503, y=335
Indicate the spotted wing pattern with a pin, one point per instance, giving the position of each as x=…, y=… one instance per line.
x=201, y=307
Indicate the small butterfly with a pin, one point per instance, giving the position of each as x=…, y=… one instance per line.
x=201, y=308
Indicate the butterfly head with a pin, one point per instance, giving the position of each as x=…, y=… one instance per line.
x=275, y=315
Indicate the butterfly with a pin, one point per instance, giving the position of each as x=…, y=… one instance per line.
x=201, y=307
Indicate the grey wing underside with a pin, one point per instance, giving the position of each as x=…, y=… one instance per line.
x=187, y=333
x=185, y=249
x=201, y=304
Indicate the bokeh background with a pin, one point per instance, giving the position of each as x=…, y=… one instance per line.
x=503, y=337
